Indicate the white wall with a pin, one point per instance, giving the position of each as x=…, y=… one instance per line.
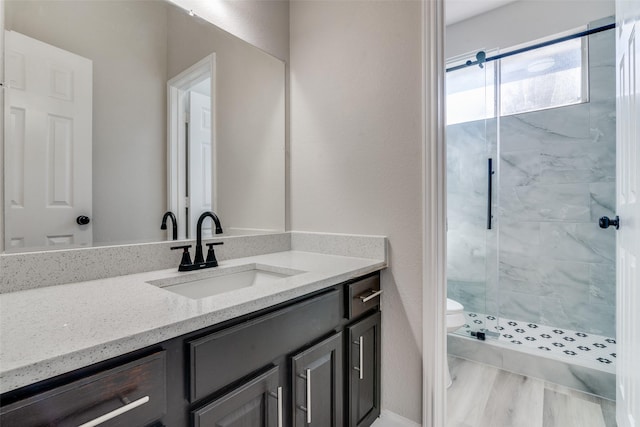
x=356, y=155
x=263, y=23
x=250, y=121
x=521, y=22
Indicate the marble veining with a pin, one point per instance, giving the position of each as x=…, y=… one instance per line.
x=545, y=260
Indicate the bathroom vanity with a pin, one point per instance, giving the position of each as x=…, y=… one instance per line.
x=304, y=350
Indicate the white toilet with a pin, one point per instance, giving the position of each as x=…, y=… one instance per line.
x=455, y=320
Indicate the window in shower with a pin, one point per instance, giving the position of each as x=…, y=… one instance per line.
x=539, y=79
x=548, y=77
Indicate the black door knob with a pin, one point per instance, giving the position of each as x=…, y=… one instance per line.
x=83, y=220
x=606, y=222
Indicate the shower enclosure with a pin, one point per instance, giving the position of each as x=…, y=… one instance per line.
x=530, y=170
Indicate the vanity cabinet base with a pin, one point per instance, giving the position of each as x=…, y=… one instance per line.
x=291, y=365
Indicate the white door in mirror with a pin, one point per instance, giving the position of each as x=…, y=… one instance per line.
x=48, y=103
x=200, y=162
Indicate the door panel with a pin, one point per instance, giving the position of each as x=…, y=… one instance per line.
x=628, y=209
x=49, y=144
x=200, y=162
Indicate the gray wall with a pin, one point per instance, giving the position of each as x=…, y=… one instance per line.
x=356, y=156
x=557, y=177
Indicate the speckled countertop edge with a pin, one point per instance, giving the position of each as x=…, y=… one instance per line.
x=50, y=331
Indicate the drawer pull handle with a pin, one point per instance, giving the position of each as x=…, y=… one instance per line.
x=279, y=406
x=359, y=368
x=308, y=396
x=370, y=296
x=278, y=397
x=116, y=412
x=307, y=409
x=362, y=357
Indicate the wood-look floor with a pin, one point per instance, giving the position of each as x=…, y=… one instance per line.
x=484, y=396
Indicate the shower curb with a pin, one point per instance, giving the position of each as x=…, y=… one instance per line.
x=588, y=380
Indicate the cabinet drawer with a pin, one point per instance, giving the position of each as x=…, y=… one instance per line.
x=363, y=295
x=221, y=358
x=133, y=394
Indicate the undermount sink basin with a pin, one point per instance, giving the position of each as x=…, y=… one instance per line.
x=216, y=281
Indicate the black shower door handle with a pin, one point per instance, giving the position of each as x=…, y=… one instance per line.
x=489, y=191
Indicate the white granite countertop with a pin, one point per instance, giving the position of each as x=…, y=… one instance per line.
x=52, y=330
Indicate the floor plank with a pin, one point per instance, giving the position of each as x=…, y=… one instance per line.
x=562, y=410
x=514, y=401
x=467, y=397
x=609, y=413
x=484, y=396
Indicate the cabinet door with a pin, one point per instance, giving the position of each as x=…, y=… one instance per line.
x=364, y=371
x=317, y=384
x=255, y=403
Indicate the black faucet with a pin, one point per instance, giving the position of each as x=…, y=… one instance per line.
x=170, y=214
x=199, y=258
x=198, y=261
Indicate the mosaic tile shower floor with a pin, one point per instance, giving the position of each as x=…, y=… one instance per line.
x=596, y=350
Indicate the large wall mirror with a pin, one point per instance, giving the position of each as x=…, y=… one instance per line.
x=117, y=111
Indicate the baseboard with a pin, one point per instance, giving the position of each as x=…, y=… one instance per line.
x=395, y=420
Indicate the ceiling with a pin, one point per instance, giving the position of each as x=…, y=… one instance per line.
x=459, y=10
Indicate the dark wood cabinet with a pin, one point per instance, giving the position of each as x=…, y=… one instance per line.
x=364, y=371
x=224, y=356
x=255, y=403
x=317, y=384
x=313, y=361
x=132, y=394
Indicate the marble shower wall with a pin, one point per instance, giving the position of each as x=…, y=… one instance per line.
x=556, y=177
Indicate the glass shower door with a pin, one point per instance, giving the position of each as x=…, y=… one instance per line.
x=471, y=139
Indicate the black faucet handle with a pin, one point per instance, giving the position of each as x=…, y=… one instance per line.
x=185, y=247
x=211, y=255
x=186, y=257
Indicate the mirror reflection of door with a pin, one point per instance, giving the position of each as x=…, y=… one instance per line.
x=191, y=146
x=199, y=156
x=48, y=137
